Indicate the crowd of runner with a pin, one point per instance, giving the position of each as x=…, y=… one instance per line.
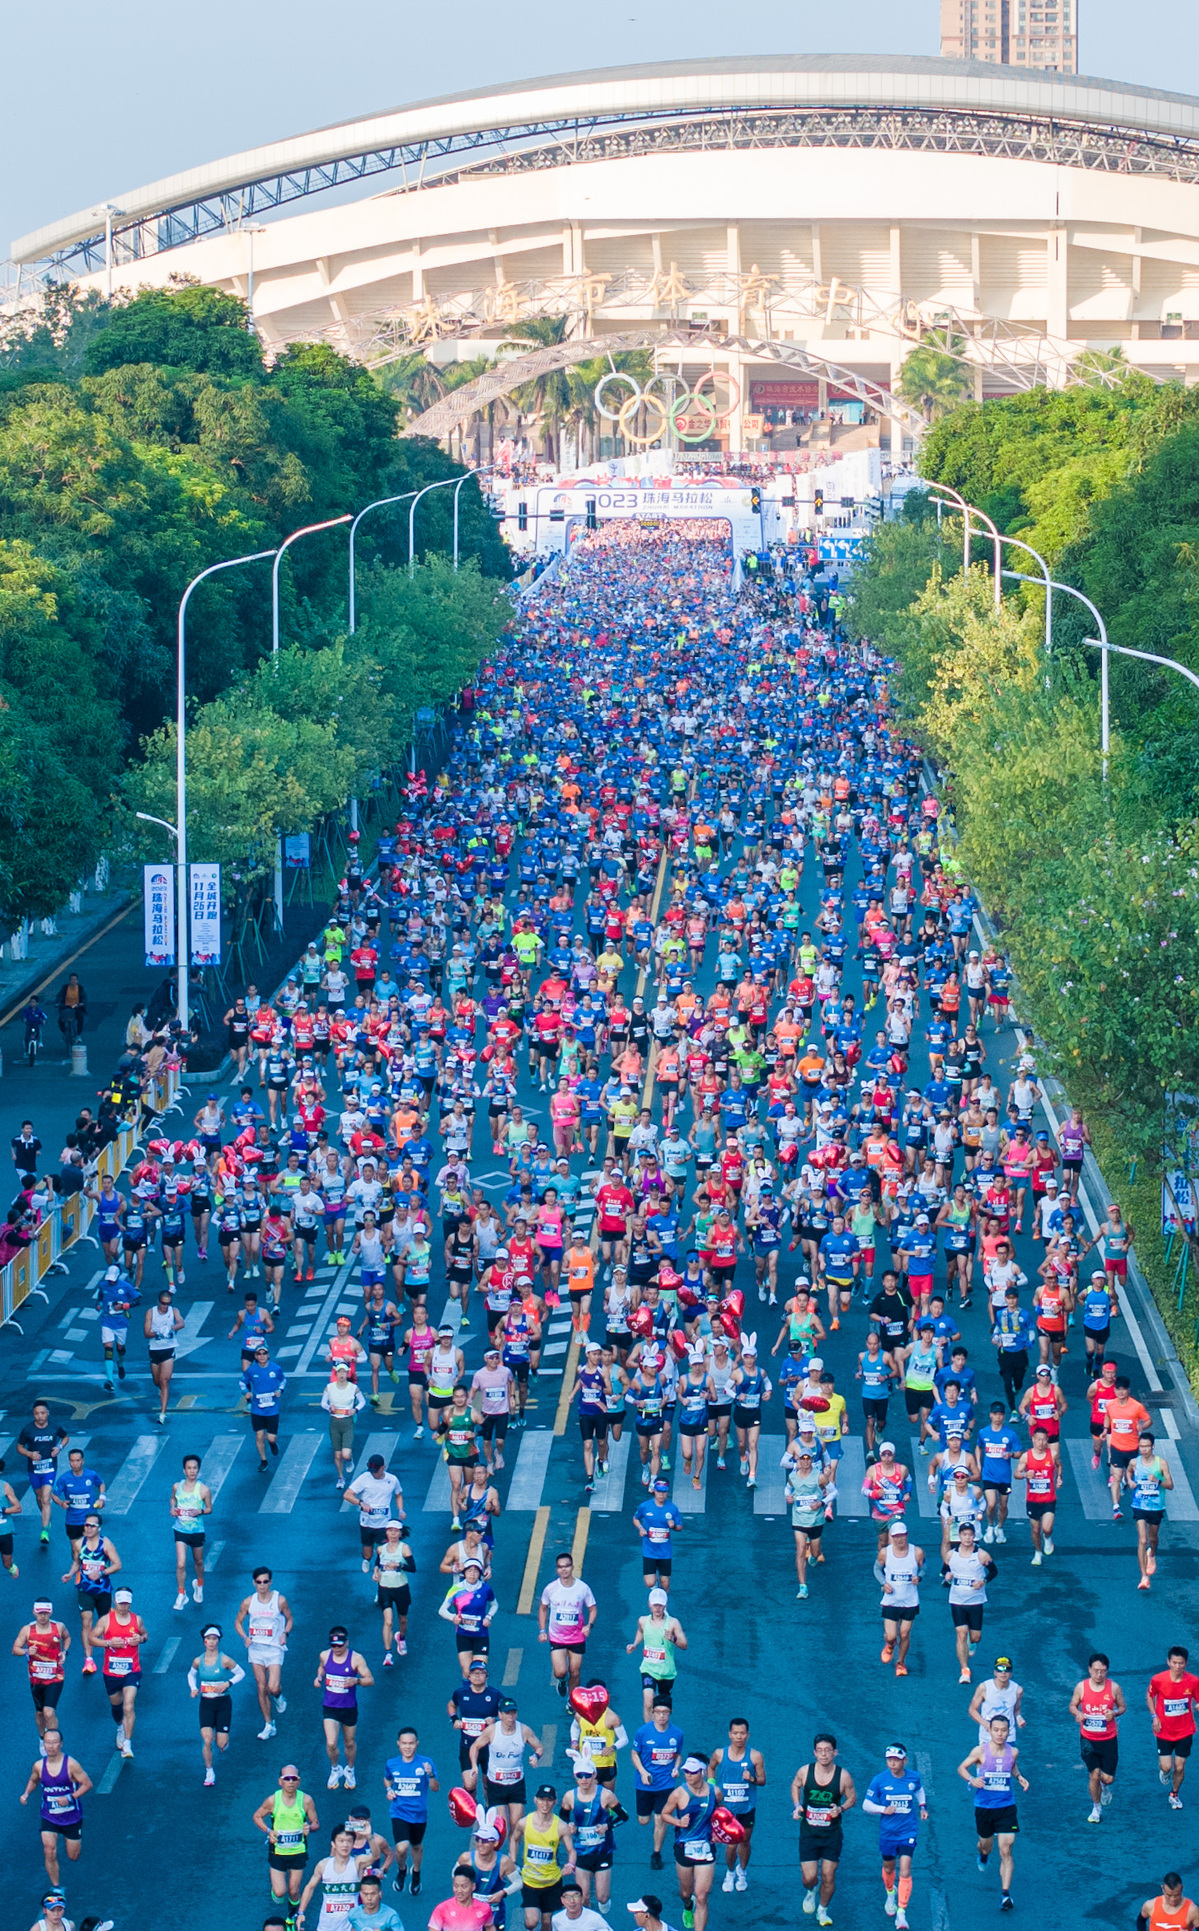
x=670, y=820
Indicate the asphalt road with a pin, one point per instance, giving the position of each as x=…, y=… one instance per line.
x=157, y=1844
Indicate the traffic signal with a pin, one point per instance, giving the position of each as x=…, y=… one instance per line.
x=522, y=516
x=755, y=499
x=818, y=502
x=592, y=518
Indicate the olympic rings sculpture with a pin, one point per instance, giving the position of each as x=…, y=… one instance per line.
x=675, y=406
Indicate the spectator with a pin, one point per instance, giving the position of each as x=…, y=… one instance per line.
x=25, y=1149
x=137, y=1033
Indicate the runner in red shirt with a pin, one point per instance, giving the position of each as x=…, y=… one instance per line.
x=1099, y=1394
x=1097, y=1706
x=1172, y=1699
x=614, y=1204
x=1037, y=1469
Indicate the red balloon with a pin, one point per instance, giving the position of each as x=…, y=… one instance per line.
x=726, y=1828
x=688, y=1297
x=734, y=1304
x=589, y=1703
x=680, y=1344
x=641, y=1321
x=815, y=1404
x=729, y=1323
x=463, y=1808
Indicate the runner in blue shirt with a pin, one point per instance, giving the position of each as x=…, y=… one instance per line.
x=999, y=1448
x=896, y=1797
x=77, y=1490
x=656, y=1520
x=408, y=1778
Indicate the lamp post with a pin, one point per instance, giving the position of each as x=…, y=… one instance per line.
x=380, y=504
x=465, y=478
x=1101, y=643
x=967, y=511
x=178, y=830
x=443, y=484
x=309, y=529
x=971, y=509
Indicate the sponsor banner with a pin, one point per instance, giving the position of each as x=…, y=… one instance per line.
x=158, y=888
x=205, y=903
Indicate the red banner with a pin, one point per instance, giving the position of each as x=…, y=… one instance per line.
x=784, y=395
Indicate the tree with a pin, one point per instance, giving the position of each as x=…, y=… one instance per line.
x=546, y=396
x=934, y=377
x=183, y=326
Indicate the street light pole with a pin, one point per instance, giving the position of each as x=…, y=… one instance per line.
x=309, y=529
x=971, y=509
x=967, y=511
x=182, y=936
x=1101, y=643
x=484, y=471
x=443, y=484
x=382, y=503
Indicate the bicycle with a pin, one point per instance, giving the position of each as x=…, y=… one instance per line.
x=33, y=1044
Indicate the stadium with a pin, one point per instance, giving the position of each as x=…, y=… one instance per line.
x=797, y=223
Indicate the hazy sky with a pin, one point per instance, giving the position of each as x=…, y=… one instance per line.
x=102, y=99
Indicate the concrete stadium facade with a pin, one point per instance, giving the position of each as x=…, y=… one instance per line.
x=845, y=205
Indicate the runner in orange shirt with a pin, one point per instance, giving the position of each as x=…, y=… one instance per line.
x=1123, y=1421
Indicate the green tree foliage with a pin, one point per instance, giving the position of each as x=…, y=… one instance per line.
x=934, y=377
x=59, y=739
x=141, y=441
x=184, y=326
x=287, y=744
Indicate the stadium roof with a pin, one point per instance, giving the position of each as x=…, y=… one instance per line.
x=528, y=111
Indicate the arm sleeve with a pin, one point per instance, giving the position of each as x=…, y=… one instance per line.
x=875, y=1810
x=237, y=1676
x=192, y=1682
x=621, y=1738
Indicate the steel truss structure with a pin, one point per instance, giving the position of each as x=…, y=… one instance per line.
x=556, y=143
x=697, y=343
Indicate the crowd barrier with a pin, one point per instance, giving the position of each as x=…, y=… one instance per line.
x=70, y=1219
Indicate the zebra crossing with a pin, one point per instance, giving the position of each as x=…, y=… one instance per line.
x=293, y=1474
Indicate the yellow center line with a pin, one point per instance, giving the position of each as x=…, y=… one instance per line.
x=528, y=1587
x=578, y=1547
x=562, y=1414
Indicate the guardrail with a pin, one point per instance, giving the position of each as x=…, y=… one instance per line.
x=69, y=1220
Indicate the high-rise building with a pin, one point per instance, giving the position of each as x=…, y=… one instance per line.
x=1012, y=33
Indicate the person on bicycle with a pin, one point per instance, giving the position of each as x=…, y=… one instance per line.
x=72, y=1010
x=33, y=1018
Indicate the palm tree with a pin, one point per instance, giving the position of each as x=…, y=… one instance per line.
x=584, y=379
x=412, y=380
x=547, y=395
x=935, y=377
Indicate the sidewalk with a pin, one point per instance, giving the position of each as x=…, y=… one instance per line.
x=106, y=951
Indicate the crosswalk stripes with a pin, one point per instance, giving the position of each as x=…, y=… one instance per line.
x=170, y=1650
x=770, y=1496
x=437, y=1501
x=688, y=1500
x=926, y=1501
x=1181, y=1505
x=29, y=1507
x=294, y=1463
x=321, y=1323
x=608, y=1493
x=528, y=1477
x=218, y=1459
x=851, y=1473
x=127, y=1483
x=451, y=1316
x=1092, y=1488
x=384, y=1444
